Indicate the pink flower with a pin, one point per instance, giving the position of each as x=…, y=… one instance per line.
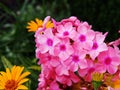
x=86, y=73
x=47, y=41
x=42, y=81
x=66, y=30
x=98, y=45
x=71, y=49
x=43, y=58
x=54, y=22
x=47, y=79
x=109, y=60
x=61, y=69
x=115, y=43
x=48, y=59
x=76, y=61
x=54, y=86
x=64, y=49
x=68, y=79
x=84, y=36
x=46, y=21
x=119, y=31
x=70, y=19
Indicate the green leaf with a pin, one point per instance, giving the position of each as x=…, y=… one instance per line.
x=6, y=62
x=96, y=84
x=7, y=10
x=35, y=67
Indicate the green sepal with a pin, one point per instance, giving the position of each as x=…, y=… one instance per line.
x=96, y=84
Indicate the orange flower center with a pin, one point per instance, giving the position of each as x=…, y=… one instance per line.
x=11, y=85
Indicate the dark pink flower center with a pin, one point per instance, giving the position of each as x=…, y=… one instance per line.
x=62, y=47
x=95, y=46
x=108, y=61
x=75, y=58
x=91, y=70
x=49, y=42
x=66, y=33
x=82, y=38
x=49, y=57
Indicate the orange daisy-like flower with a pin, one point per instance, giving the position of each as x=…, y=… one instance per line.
x=49, y=24
x=34, y=25
x=13, y=80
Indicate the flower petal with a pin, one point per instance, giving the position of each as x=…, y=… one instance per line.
x=22, y=87
x=23, y=75
x=1, y=88
x=23, y=81
x=19, y=73
x=8, y=73
x=112, y=69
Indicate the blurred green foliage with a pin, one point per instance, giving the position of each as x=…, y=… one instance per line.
x=17, y=46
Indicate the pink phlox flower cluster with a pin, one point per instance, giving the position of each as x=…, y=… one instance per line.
x=70, y=50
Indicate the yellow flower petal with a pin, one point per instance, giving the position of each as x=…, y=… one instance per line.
x=2, y=84
x=23, y=75
x=22, y=81
x=20, y=69
x=34, y=25
x=8, y=73
x=39, y=22
x=3, y=76
x=22, y=87
x=49, y=25
x=13, y=71
x=1, y=88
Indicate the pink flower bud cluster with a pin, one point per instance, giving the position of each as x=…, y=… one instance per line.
x=72, y=50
